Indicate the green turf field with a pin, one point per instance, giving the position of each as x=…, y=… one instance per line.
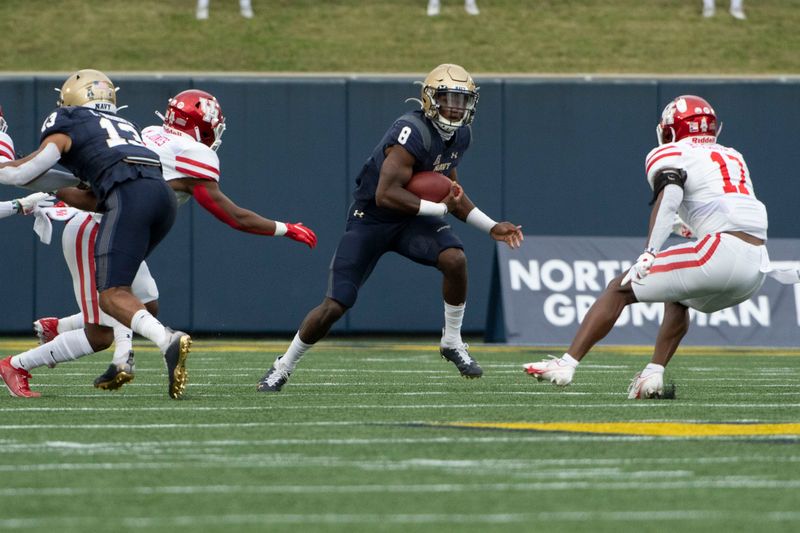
x=390, y=36
x=372, y=436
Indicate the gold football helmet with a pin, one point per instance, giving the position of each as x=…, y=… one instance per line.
x=89, y=88
x=449, y=97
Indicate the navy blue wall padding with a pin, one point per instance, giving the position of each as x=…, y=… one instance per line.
x=560, y=156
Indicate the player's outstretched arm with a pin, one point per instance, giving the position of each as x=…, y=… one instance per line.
x=20, y=172
x=209, y=195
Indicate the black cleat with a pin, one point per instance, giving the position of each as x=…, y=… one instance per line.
x=116, y=376
x=273, y=380
x=178, y=350
x=459, y=356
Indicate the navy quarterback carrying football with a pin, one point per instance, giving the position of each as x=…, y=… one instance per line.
x=387, y=217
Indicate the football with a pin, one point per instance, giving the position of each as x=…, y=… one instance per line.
x=430, y=186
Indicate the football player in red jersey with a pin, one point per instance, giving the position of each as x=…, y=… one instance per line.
x=708, y=185
x=186, y=143
x=386, y=217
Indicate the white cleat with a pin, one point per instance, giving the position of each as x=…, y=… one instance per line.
x=472, y=8
x=247, y=12
x=645, y=387
x=202, y=14
x=554, y=370
x=708, y=12
x=738, y=14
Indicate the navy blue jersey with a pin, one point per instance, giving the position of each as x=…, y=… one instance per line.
x=419, y=136
x=99, y=141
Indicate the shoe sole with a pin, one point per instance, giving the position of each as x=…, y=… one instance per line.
x=179, y=376
x=539, y=375
x=119, y=380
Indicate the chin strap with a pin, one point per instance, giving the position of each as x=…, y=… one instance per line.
x=444, y=134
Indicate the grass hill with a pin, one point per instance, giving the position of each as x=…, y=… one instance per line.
x=389, y=36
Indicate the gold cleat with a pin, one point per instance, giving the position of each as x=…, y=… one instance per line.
x=175, y=357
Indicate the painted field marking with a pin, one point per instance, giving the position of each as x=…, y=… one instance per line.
x=211, y=346
x=667, y=429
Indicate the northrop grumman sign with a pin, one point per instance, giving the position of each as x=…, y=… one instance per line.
x=546, y=287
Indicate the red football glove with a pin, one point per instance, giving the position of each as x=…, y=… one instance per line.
x=300, y=233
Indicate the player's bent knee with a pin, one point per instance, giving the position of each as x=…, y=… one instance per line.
x=331, y=310
x=99, y=337
x=452, y=260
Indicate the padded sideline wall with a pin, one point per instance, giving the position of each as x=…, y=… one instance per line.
x=561, y=156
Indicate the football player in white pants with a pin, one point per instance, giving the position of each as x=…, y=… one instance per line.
x=186, y=144
x=77, y=243
x=708, y=185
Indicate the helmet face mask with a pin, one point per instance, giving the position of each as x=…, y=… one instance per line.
x=197, y=114
x=89, y=88
x=449, y=97
x=688, y=116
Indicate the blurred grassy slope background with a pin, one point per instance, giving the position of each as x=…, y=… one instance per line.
x=392, y=36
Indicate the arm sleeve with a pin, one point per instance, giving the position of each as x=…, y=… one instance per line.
x=33, y=168
x=662, y=227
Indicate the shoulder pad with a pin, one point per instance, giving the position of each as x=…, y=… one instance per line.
x=420, y=126
x=196, y=160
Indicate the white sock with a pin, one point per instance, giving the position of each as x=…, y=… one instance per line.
x=736, y=5
x=202, y=4
x=288, y=361
x=571, y=361
x=150, y=328
x=453, y=318
x=69, y=323
x=68, y=346
x=708, y=4
x=123, y=344
x=652, y=368
x=244, y=4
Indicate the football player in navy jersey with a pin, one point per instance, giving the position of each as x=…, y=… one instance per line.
x=385, y=217
x=125, y=183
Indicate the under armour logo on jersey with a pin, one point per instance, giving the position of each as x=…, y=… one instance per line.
x=454, y=155
x=359, y=214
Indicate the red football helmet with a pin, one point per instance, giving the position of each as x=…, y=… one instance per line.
x=197, y=113
x=687, y=116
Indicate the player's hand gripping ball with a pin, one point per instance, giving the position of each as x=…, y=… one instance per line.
x=430, y=186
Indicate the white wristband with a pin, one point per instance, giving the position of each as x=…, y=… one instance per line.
x=480, y=220
x=280, y=229
x=433, y=209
